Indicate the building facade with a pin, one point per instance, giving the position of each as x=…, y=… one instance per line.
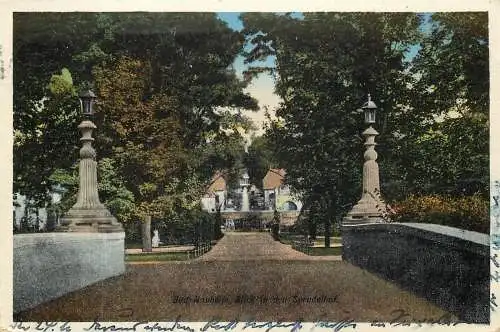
x=275, y=194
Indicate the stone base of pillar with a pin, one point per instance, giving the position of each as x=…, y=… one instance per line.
x=97, y=220
x=368, y=210
x=348, y=221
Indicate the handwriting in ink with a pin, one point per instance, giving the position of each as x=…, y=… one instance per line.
x=377, y=324
x=493, y=303
x=20, y=326
x=271, y=325
x=337, y=326
x=496, y=241
x=494, y=259
x=402, y=318
x=96, y=326
x=46, y=326
x=215, y=324
x=42, y=326
x=175, y=326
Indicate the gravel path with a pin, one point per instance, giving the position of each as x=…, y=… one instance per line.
x=246, y=276
x=239, y=246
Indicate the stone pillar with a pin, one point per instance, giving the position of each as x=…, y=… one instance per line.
x=370, y=208
x=88, y=214
x=146, y=235
x=245, y=204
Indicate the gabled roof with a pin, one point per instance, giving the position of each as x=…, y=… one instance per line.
x=274, y=178
x=218, y=183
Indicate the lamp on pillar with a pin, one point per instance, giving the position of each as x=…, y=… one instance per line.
x=87, y=102
x=88, y=214
x=244, y=184
x=370, y=207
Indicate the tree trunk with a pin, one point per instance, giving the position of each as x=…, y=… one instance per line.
x=146, y=235
x=328, y=227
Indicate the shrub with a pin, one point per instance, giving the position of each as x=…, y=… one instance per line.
x=217, y=233
x=466, y=212
x=275, y=231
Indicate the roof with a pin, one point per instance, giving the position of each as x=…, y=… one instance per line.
x=218, y=183
x=274, y=178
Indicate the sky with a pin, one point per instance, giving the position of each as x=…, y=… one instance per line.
x=262, y=87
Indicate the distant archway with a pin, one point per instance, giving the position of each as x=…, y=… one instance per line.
x=289, y=206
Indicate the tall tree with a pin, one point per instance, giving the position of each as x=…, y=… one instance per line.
x=326, y=63
x=162, y=81
x=452, y=78
x=260, y=159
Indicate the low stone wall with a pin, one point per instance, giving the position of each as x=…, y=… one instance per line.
x=49, y=265
x=287, y=218
x=448, y=266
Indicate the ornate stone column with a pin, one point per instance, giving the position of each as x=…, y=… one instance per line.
x=370, y=208
x=244, y=183
x=88, y=214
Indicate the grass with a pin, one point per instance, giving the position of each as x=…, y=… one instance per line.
x=164, y=256
x=332, y=251
x=133, y=245
x=137, y=245
x=289, y=239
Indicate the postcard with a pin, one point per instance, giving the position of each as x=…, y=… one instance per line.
x=296, y=168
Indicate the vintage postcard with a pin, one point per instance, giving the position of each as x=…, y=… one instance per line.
x=295, y=168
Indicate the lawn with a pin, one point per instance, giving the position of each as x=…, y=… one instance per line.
x=161, y=256
x=137, y=245
x=321, y=251
x=289, y=239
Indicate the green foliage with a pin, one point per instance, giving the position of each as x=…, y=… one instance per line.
x=453, y=64
x=432, y=115
x=260, y=159
x=67, y=182
x=452, y=158
x=440, y=144
x=217, y=232
x=112, y=190
x=165, y=88
x=170, y=105
x=62, y=84
x=188, y=226
x=275, y=226
x=467, y=212
x=333, y=251
x=325, y=65
x=275, y=231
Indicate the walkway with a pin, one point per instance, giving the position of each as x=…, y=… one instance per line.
x=238, y=246
x=246, y=276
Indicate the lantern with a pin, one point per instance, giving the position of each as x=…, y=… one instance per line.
x=87, y=101
x=369, y=109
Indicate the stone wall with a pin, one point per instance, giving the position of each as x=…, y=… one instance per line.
x=288, y=218
x=49, y=265
x=447, y=266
